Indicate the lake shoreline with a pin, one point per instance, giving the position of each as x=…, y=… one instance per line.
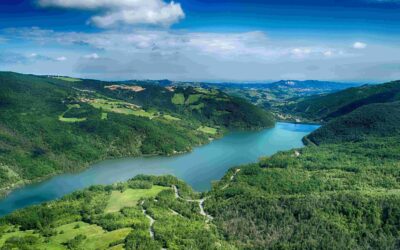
x=4, y=192
x=197, y=167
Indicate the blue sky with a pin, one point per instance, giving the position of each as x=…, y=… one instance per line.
x=235, y=40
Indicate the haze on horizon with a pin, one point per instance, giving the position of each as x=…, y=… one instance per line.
x=203, y=40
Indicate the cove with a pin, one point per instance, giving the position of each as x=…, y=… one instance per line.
x=198, y=168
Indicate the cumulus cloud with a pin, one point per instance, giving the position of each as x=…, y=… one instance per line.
x=359, y=45
x=254, y=45
x=301, y=52
x=61, y=58
x=182, y=55
x=110, y=13
x=92, y=56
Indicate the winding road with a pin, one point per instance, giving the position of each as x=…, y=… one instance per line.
x=177, y=196
x=232, y=178
x=200, y=202
x=151, y=219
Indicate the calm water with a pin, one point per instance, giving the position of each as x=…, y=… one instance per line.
x=198, y=168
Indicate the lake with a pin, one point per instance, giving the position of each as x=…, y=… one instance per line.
x=198, y=168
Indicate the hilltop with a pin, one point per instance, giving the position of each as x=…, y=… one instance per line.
x=52, y=124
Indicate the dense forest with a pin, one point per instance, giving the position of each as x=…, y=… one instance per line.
x=341, y=191
x=327, y=107
x=374, y=120
x=50, y=125
x=342, y=194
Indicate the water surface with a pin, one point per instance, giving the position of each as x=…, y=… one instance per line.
x=198, y=168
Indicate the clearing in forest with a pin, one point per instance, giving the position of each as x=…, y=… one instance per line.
x=130, y=197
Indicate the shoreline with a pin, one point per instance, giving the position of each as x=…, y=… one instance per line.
x=4, y=192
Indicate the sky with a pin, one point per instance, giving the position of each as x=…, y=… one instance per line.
x=203, y=40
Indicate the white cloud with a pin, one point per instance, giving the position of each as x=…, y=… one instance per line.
x=328, y=53
x=225, y=46
x=181, y=55
x=92, y=56
x=61, y=58
x=359, y=45
x=301, y=52
x=128, y=12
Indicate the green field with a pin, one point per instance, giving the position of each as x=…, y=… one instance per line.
x=67, y=79
x=130, y=197
x=208, y=130
x=120, y=107
x=95, y=237
x=178, y=99
x=193, y=99
x=70, y=231
x=197, y=107
x=171, y=118
x=71, y=119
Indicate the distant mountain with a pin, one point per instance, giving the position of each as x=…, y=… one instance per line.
x=294, y=84
x=271, y=95
x=311, y=85
x=327, y=107
x=266, y=95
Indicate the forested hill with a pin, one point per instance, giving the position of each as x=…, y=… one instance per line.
x=374, y=120
x=50, y=125
x=330, y=106
x=341, y=194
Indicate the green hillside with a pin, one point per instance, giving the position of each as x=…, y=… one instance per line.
x=339, y=195
x=374, y=120
x=337, y=104
x=157, y=217
x=49, y=125
x=342, y=192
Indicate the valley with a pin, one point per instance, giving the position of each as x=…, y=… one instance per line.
x=340, y=191
x=51, y=125
x=199, y=168
x=199, y=125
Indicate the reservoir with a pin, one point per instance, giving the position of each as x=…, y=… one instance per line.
x=198, y=168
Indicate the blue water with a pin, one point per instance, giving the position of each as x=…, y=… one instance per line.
x=198, y=168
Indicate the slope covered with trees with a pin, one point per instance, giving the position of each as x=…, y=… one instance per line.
x=338, y=195
x=50, y=125
x=341, y=192
x=374, y=120
x=163, y=213
x=328, y=107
